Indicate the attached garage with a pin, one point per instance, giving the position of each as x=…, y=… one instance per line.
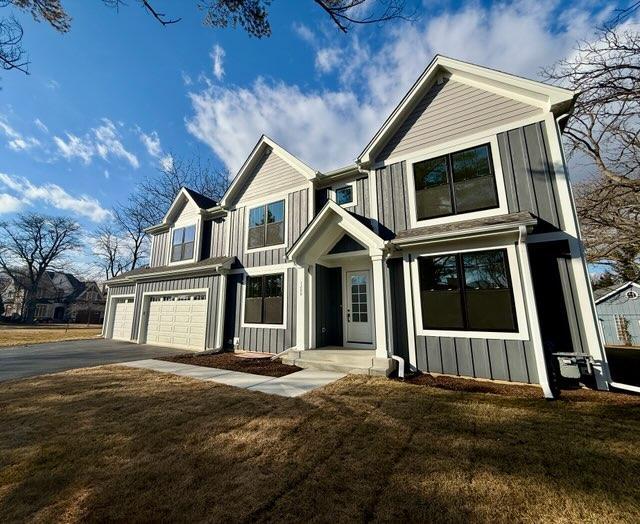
x=177, y=320
x=122, y=319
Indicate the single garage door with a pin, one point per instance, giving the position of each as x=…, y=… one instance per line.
x=122, y=319
x=177, y=320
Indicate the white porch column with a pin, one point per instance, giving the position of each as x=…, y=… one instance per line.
x=301, y=307
x=377, y=262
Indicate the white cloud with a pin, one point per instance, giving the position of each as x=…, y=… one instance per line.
x=9, y=203
x=75, y=147
x=52, y=195
x=16, y=141
x=106, y=174
x=304, y=32
x=217, y=57
x=53, y=84
x=103, y=141
x=186, y=79
x=41, y=126
x=151, y=142
x=166, y=162
x=519, y=38
x=327, y=59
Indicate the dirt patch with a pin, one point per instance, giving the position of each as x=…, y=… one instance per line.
x=257, y=366
x=516, y=390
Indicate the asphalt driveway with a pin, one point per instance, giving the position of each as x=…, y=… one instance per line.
x=28, y=361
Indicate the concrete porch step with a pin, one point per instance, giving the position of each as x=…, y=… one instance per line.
x=341, y=360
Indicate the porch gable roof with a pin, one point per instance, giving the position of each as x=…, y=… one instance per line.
x=347, y=222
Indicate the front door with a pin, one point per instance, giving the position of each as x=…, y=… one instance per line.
x=358, y=311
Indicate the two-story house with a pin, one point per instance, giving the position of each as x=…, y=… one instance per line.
x=451, y=242
x=60, y=297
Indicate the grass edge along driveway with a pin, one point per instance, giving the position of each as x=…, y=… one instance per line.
x=114, y=443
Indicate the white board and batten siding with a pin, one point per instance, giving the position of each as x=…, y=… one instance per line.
x=450, y=111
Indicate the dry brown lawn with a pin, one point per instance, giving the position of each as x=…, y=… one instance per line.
x=115, y=443
x=20, y=335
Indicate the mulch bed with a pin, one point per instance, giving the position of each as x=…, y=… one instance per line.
x=256, y=365
x=515, y=390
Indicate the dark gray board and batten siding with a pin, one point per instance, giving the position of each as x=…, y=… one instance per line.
x=510, y=360
x=115, y=291
x=211, y=282
x=530, y=186
x=528, y=173
x=264, y=340
x=297, y=220
x=363, y=205
x=159, y=251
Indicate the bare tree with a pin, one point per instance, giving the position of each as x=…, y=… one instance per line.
x=605, y=129
x=251, y=15
x=155, y=194
x=32, y=244
x=131, y=221
x=107, y=250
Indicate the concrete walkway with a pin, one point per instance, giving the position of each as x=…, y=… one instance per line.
x=292, y=385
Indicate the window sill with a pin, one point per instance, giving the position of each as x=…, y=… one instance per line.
x=181, y=262
x=266, y=248
x=491, y=335
x=264, y=326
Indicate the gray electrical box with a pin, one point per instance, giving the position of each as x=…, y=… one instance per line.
x=574, y=365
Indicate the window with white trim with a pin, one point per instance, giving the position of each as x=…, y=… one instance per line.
x=468, y=291
x=344, y=195
x=266, y=225
x=455, y=183
x=264, y=299
x=41, y=310
x=183, y=243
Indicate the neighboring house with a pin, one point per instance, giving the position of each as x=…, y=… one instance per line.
x=452, y=242
x=60, y=297
x=618, y=309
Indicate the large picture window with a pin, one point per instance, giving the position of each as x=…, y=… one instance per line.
x=264, y=299
x=467, y=291
x=455, y=183
x=266, y=225
x=183, y=243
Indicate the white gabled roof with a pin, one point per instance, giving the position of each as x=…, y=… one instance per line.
x=347, y=222
x=616, y=291
x=255, y=156
x=544, y=96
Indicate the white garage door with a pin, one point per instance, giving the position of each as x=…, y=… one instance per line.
x=122, y=319
x=177, y=320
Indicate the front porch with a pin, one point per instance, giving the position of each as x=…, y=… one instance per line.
x=341, y=320
x=341, y=359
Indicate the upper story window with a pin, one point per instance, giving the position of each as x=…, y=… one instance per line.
x=183, y=243
x=467, y=291
x=344, y=195
x=266, y=225
x=455, y=183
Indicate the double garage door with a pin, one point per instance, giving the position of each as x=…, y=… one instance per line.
x=177, y=320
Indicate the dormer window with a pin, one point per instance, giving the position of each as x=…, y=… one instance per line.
x=266, y=225
x=183, y=243
x=455, y=183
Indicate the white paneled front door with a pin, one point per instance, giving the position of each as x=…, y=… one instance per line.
x=358, y=311
x=177, y=320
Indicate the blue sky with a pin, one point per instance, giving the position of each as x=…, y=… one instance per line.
x=109, y=101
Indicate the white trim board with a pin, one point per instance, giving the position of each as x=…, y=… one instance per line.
x=449, y=148
x=249, y=272
x=518, y=298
